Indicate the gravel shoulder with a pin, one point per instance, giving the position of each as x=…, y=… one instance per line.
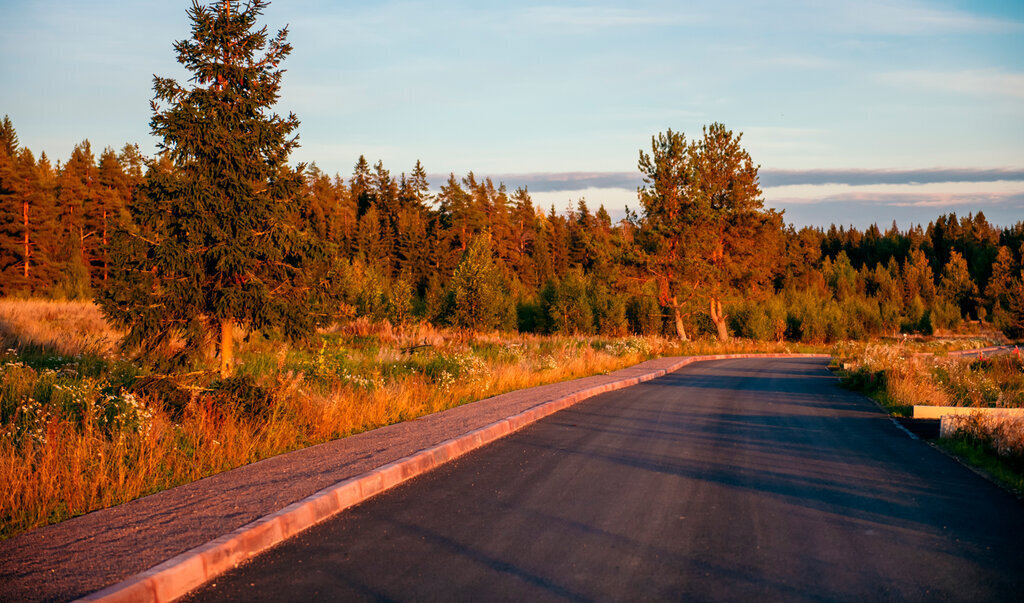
x=84, y=554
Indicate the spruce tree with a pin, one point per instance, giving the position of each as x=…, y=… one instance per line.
x=479, y=297
x=214, y=243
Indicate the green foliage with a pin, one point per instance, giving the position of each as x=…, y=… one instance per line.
x=763, y=321
x=644, y=315
x=609, y=310
x=1012, y=319
x=944, y=315
x=704, y=231
x=32, y=398
x=567, y=305
x=214, y=240
x=248, y=397
x=174, y=246
x=956, y=285
x=479, y=296
x=530, y=316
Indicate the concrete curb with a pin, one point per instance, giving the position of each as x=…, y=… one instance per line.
x=179, y=575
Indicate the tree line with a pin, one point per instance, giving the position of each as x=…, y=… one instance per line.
x=219, y=231
x=478, y=255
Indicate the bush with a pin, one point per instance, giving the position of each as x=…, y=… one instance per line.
x=609, y=311
x=250, y=399
x=479, y=298
x=944, y=315
x=530, y=317
x=164, y=393
x=567, y=305
x=763, y=321
x=644, y=315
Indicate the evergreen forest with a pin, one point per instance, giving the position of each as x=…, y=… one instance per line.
x=479, y=256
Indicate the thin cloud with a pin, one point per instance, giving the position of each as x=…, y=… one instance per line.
x=876, y=200
x=797, y=61
x=986, y=82
x=770, y=178
x=594, y=17
x=574, y=181
x=562, y=181
x=914, y=19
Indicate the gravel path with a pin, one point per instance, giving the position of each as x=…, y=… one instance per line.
x=84, y=554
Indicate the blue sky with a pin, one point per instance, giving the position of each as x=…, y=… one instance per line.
x=856, y=111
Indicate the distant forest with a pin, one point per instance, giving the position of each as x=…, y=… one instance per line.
x=480, y=256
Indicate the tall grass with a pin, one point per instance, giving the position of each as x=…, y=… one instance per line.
x=901, y=376
x=82, y=429
x=68, y=328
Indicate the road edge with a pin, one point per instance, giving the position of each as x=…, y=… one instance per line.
x=183, y=573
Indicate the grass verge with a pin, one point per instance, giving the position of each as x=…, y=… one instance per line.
x=997, y=468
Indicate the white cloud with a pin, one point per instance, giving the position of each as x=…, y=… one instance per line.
x=933, y=194
x=614, y=200
x=986, y=82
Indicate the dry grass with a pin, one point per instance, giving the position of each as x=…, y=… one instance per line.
x=901, y=376
x=83, y=430
x=1005, y=434
x=63, y=328
x=1002, y=436
x=904, y=376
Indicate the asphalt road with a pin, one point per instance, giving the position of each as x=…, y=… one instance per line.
x=725, y=480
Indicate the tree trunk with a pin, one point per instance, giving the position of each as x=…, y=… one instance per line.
x=718, y=317
x=28, y=248
x=680, y=326
x=106, y=244
x=226, y=354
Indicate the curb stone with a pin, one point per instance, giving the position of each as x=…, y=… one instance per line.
x=183, y=573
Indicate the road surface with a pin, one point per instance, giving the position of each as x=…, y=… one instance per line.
x=725, y=480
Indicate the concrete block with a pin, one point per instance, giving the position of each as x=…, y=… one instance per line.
x=937, y=412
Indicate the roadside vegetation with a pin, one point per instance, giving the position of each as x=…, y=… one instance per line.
x=900, y=376
x=82, y=428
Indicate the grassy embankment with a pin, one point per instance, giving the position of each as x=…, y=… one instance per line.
x=900, y=376
x=82, y=428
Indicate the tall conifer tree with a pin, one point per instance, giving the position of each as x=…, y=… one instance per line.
x=216, y=245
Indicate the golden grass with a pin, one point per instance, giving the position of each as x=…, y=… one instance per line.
x=1002, y=436
x=68, y=328
x=61, y=454
x=900, y=376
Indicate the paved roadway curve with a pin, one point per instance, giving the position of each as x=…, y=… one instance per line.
x=725, y=480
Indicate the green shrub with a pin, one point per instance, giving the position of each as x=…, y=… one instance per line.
x=567, y=305
x=241, y=391
x=644, y=315
x=479, y=298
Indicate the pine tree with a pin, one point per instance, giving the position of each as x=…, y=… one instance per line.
x=14, y=258
x=956, y=285
x=706, y=236
x=77, y=191
x=27, y=224
x=998, y=288
x=215, y=243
